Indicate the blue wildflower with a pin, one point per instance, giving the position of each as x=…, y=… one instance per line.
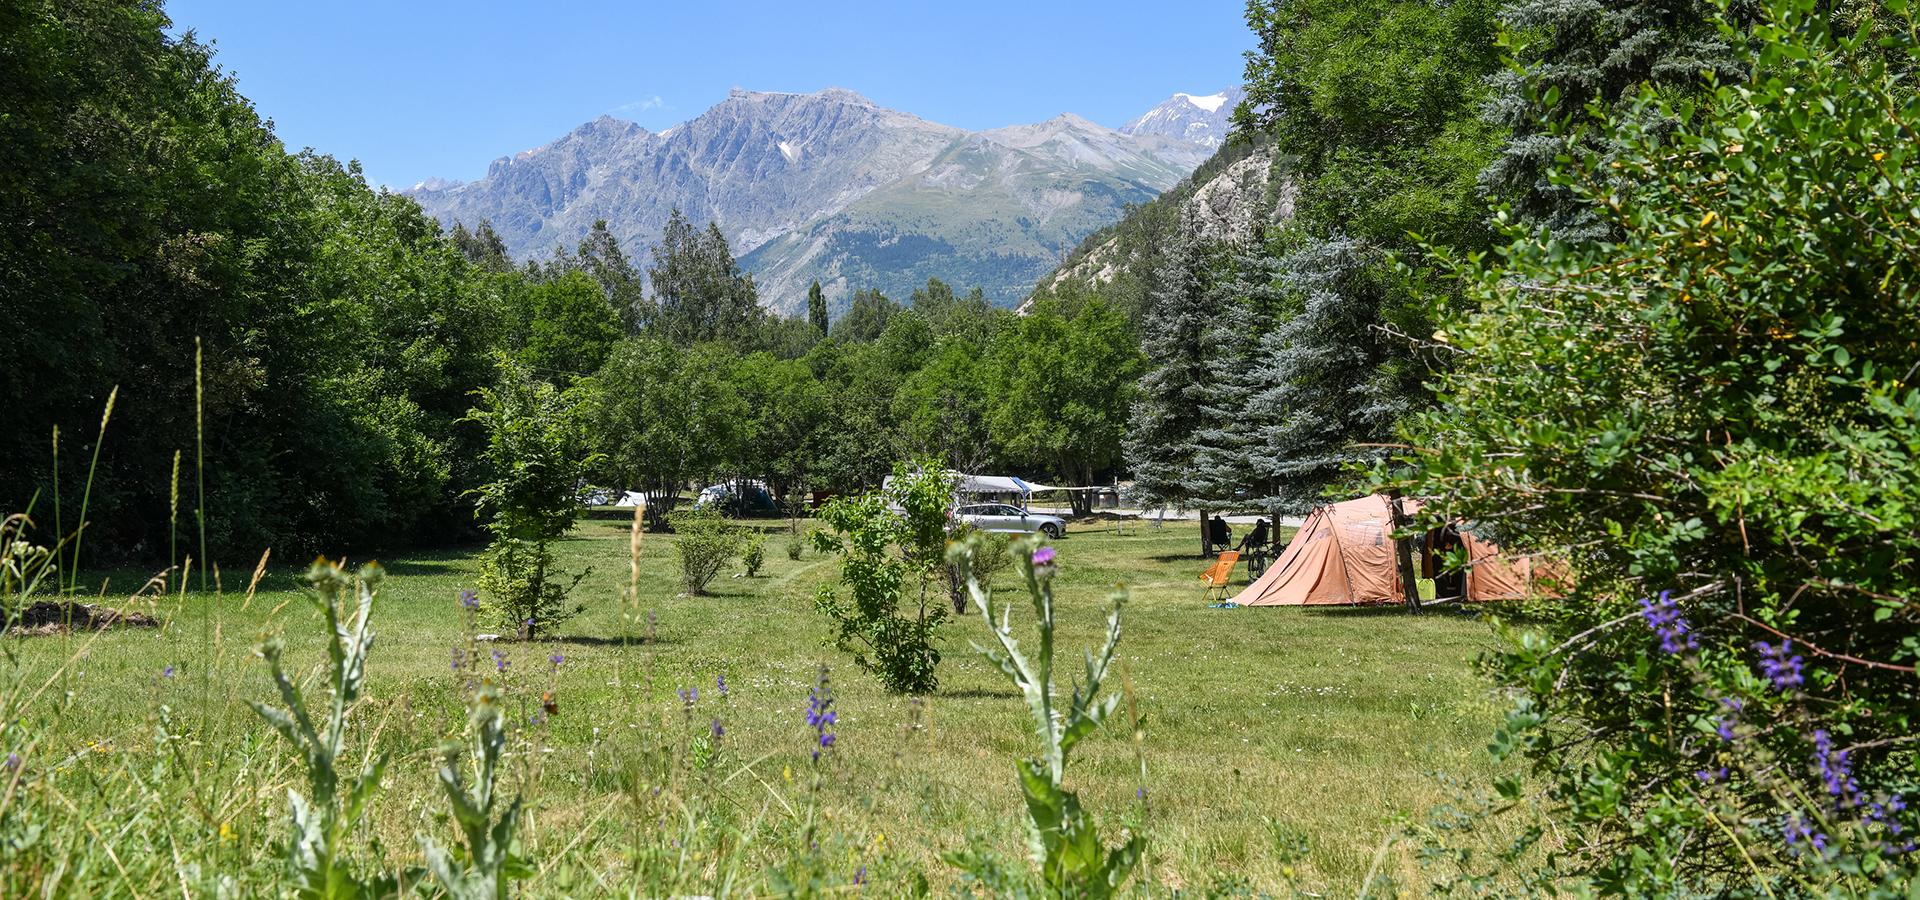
x=1836, y=770
x=469, y=600
x=1800, y=836
x=1781, y=666
x=556, y=659
x=719, y=731
x=1663, y=616
x=500, y=662
x=820, y=714
x=721, y=684
x=166, y=672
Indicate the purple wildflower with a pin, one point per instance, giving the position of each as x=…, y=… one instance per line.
x=1043, y=556
x=1885, y=813
x=1799, y=834
x=1663, y=616
x=860, y=877
x=1781, y=666
x=690, y=696
x=1725, y=727
x=13, y=761
x=166, y=672
x=721, y=684
x=556, y=659
x=1836, y=770
x=1711, y=776
x=719, y=731
x=457, y=657
x=820, y=715
x=500, y=662
x=469, y=600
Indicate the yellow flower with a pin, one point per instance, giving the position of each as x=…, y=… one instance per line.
x=226, y=832
x=786, y=772
x=880, y=840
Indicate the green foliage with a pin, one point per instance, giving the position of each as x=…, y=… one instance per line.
x=323, y=821
x=866, y=317
x=486, y=866
x=795, y=547
x=1712, y=418
x=665, y=416
x=1063, y=839
x=699, y=292
x=568, y=325
x=146, y=204
x=887, y=558
x=536, y=444
x=817, y=308
x=755, y=554
x=705, y=541
x=1064, y=384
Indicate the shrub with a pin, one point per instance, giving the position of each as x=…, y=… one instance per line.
x=755, y=555
x=536, y=440
x=1711, y=417
x=794, y=546
x=1063, y=839
x=889, y=561
x=705, y=542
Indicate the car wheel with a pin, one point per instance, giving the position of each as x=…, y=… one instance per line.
x=1051, y=530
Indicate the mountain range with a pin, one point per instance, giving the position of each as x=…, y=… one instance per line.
x=833, y=187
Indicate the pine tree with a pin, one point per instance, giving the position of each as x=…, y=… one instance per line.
x=1584, y=53
x=1325, y=373
x=1227, y=465
x=1167, y=417
x=817, y=308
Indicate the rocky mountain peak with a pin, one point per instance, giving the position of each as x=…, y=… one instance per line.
x=1204, y=119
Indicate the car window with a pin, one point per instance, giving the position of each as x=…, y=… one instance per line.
x=1009, y=510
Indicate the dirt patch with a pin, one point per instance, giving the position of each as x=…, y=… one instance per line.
x=50, y=617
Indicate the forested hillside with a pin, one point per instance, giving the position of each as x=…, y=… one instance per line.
x=160, y=240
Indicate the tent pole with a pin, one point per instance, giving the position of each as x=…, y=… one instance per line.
x=1403, y=550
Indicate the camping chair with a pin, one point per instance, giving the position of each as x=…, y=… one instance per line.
x=1217, y=574
x=1219, y=536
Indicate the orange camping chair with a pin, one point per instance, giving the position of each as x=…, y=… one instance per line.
x=1217, y=574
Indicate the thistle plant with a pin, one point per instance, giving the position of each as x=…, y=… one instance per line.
x=486, y=865
x=323, y=820
x=1063, y=838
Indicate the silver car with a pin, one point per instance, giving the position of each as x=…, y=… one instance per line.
x=1003, y=517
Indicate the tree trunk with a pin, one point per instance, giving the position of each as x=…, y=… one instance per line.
x=1403, y=552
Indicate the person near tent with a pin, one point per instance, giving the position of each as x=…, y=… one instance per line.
x=1219, y=536
x=1256, y=538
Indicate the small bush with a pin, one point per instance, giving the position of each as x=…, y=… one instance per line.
x=794, y=546
x=755, y=555
x=891, y=562
x=705, y=542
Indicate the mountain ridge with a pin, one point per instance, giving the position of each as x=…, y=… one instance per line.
x=828, y=185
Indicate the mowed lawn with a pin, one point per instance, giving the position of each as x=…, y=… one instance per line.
x=1264, y=727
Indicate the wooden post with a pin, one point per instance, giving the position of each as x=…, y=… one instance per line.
x=1403, y=551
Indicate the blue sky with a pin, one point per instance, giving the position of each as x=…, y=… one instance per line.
x=419, y=88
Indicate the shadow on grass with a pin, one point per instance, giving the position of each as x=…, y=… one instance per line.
x=979, y=694
x=1385, y=610
x=597, y=640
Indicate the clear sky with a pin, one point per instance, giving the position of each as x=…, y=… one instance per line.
x=420, y=88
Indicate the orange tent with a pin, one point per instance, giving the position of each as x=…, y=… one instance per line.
x=1344, y=554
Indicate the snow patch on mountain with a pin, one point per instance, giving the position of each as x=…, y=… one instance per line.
x=1211, y=103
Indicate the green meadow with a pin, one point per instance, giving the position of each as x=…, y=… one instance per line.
x=1282, y=749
